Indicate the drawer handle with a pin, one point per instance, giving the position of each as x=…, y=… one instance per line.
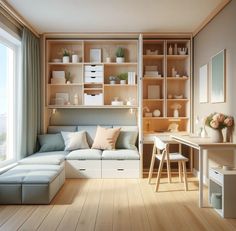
x=93, y=71
x=93, y=65
x=120, y=169
x=93, y=95
x=216, y=172
x=82, y=169
x=93, y=77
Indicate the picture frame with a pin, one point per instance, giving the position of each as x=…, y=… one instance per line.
x=218, y=77
x=95, y=55
x=203, y=84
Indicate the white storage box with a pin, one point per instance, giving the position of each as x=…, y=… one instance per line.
x=58, y=74
x=89, y=68
x=58, y=80
x=93, y=99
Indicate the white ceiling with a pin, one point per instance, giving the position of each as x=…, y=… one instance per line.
x=114, y=15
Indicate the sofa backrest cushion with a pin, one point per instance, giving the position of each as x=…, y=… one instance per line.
x=51, y=142
x=58, y=129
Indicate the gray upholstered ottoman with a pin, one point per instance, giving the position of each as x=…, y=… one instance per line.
x=31, y=184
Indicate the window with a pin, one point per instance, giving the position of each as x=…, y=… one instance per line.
x=9, y=71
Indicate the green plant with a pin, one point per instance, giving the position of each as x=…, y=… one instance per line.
x=65, y=52
x=123, y=76
x=120, y=52
x=68, y=76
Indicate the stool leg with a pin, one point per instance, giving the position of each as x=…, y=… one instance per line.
x=159, y=171
x=185, y=175
x=152, y=164
x=180, y=172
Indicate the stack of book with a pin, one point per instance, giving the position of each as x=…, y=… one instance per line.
x=58, y=77
x=151, y=71
x=131, y=78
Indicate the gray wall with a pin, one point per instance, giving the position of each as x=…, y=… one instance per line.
x=219, y=34
x=91, y=116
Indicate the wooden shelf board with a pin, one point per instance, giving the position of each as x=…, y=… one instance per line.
x=68, y=85
x=93, y=89
x=91, y=106
x=120, y=85
x=153, y=56
x=153, y=78
x=166, y=118
x=176, y=57
x=121, y=64
x=177, y=100
x=177, y=78
x=152, y=100
x=65, y=64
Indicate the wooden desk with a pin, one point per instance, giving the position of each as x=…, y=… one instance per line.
x=202, y=144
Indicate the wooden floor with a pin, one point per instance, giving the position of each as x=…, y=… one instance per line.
x=108, y=204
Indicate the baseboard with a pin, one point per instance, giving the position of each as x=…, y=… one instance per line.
x=196, y=174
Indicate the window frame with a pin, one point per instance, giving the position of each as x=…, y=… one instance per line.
x=13, y=43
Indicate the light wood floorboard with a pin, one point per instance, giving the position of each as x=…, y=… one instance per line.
x=119, y=205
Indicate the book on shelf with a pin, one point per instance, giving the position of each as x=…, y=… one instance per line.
x=131, y=78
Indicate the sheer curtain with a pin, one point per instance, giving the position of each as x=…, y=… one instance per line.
x=30, y=96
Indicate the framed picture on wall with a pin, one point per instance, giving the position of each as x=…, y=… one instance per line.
x=203, y=84
x=218, y=77
x=95, y=55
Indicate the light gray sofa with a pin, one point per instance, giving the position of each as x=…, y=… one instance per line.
x=37, y=178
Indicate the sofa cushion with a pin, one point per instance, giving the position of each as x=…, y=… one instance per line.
x=75, y=140
x=51, y=142
x=85, y=154
x=127, y=140
x=90, y=132
x=45, y=158
x=58, y=129
x=120, y=154
x=106, y=138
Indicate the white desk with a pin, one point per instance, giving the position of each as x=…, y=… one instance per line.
x=202, y=144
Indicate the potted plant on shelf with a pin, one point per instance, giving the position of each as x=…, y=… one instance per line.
x=120, y=55
x=65, y=55
x=112, y=79
x=123, y=77
x=219, y=121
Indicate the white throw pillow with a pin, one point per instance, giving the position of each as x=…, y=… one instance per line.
x=75, y=140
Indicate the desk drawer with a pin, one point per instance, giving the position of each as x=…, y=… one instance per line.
x=216, y=176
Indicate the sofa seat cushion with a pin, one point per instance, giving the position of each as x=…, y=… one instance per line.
x=45, y=158
x=120, y=154
x=31, y=174
x=85, y=154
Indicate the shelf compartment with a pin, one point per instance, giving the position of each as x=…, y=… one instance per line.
x=153, y=105
x=93, y=86
x=182, y=110
x=153, y=57
x=153, y=44
x=150, y=83
x=161, y=124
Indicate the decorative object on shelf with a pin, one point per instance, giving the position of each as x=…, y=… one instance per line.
x=108, y=60
x=75, y=58
x=219, y=121
x=147, y=112
x=76, y=99
x=117, y=102
x=113, y=79
x=173, y=72
x=150, y=52
x=179, y=96
x=203, y=84
x=156, y=113
x=62, y=98
x=108, y=54
x=173, y=127
x=170, y=96
x=176, y=107
x=68, y=82
x=131, y=78
x=65, y=55
x=95, y=55
x=120, y=55
x=182, y=51
x=123, y=77
x=58, y=77
x=175, y=49
x=154, y=92
x=170, y=50
x=218, y=77
x=130, y=101
x=68, y=76
x=56, y=60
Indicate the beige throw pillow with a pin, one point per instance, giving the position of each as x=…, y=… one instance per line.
x=105, y=138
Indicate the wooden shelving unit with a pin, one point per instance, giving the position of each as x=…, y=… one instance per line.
x=173, y=89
